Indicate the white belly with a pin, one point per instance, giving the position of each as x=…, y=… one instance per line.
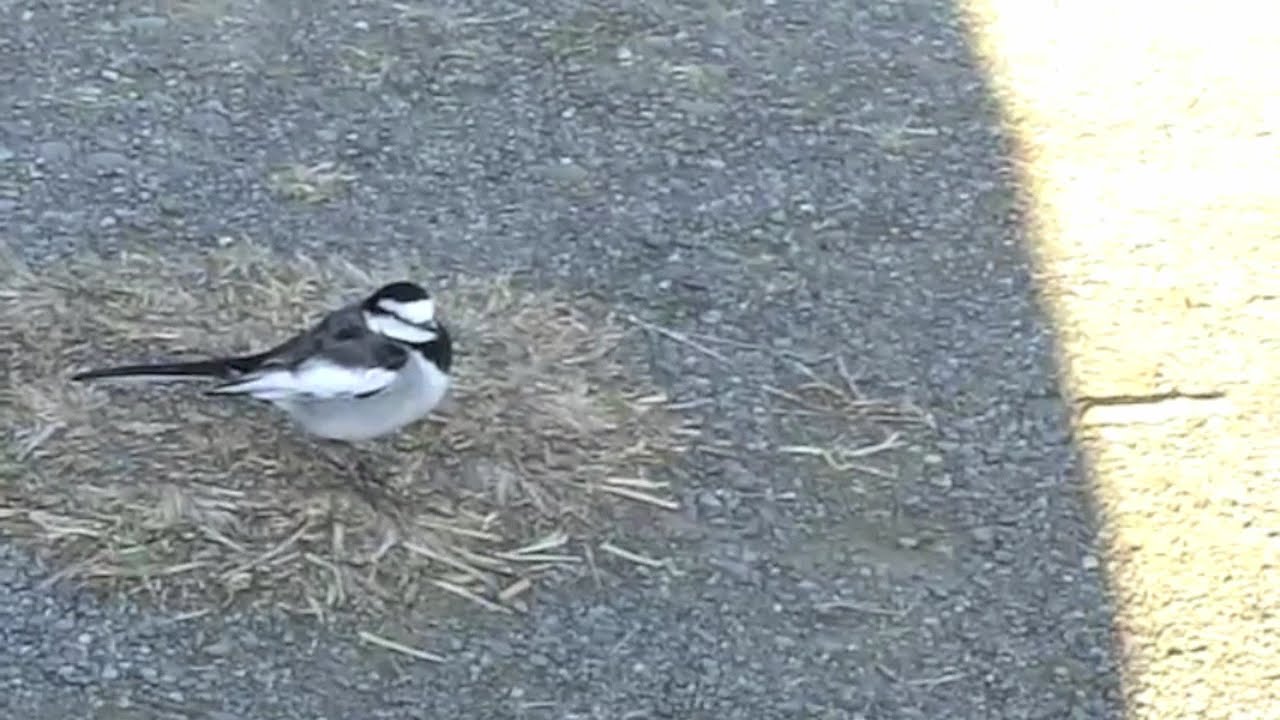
x=412, y=396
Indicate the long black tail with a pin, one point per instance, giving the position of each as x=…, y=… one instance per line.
x=224, y=368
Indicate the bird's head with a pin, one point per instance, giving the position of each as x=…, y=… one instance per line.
x=402, y=311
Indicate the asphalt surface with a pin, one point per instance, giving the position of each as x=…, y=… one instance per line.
x=807, y=176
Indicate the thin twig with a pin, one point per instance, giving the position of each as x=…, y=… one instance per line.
x=538, y=557
x=637, y=483
x=934, y=682
x=264, y=557
x=631, y=556
x=873, y=471
x=679, y=338
x=834, y=458
x=189, y=615
x=800, y=413
x=792, y=397
x=338, y=587
x=889, y=443
x=849, y=380
x=689, y=404
x=154, y=571
x=473, y=597
x=857, y=607
x=387, y=544
x=455, y=530
x=399, y=647
x=454, y=563
x=515, y=589
x=498, y=19
x=554, y=540
x=591, y=563
x=30, y=444
x=759, y=347
x=806, y=370
x=717, y=451
x=640, y=496
x=68, y=572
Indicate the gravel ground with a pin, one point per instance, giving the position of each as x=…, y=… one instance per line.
x=810, y=177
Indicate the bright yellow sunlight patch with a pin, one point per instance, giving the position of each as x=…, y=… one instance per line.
x=196, y=501
x=1150, y=140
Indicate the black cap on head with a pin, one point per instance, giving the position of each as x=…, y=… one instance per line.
x=401, y=292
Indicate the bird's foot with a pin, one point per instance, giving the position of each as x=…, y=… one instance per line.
x=372, y=486
x=367, y=483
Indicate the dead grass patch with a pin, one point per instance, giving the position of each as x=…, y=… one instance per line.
x=593, y=35
x=309, y=184
x=194, y=502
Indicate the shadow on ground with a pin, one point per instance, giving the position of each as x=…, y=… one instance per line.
x=804, y=179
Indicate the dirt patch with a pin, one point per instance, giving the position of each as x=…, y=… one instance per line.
x=195, y=502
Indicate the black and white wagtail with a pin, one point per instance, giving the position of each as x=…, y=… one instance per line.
x=363, y=371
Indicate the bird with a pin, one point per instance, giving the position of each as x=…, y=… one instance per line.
x=365, y=370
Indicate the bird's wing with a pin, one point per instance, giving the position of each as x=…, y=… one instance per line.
x=339, y=358
x=316, y=379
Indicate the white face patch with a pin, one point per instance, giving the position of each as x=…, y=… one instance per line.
x=397, y=329
x=415, y=313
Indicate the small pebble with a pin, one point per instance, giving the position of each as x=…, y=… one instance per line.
x=983, y=534
x=107, y=162
x=218, y=649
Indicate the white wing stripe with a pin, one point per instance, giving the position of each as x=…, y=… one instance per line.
x=315, y=378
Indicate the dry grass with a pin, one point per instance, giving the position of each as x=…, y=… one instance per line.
x=309, y=184
x=593, y=34
x=193, y=502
